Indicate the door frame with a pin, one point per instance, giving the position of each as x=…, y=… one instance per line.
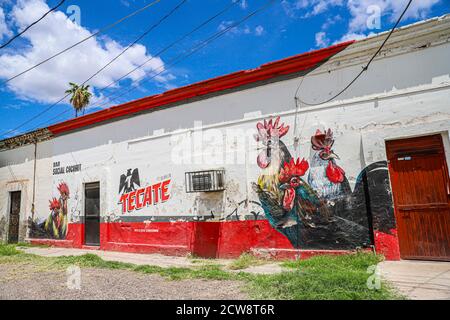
x=446, y=152
x=14, y=186
x=10, y=193
x=83, y=236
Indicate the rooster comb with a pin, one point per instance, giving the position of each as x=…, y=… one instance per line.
x=272, y=128
x=322, y=140
x=63, y=189
x=54, y=204
x=294, y=168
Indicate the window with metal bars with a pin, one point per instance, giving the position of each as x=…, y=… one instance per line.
x=205, y=181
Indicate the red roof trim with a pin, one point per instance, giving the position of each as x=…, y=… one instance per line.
x=267, y=71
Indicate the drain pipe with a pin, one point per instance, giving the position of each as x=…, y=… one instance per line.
x=34, y=187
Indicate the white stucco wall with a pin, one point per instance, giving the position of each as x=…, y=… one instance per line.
x=405, y=93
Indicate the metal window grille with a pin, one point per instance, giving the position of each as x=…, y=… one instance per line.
x=205, y=181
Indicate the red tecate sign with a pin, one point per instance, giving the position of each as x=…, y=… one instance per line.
x=145, y=197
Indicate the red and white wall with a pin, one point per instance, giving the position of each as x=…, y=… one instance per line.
x=405, y=93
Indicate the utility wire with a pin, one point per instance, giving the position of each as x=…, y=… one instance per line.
x=112, y=25
x=104, y=67
x=180, y=57
x=157, y=54
x=171, y=12
x=193, y=50
x=172, y=44
x=364, y=69
x=31, y=25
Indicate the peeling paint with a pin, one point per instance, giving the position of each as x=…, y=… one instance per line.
x=402, y=102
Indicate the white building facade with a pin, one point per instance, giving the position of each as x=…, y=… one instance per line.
x=254, y=161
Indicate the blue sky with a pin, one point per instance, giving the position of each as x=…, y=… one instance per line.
x=286, y=28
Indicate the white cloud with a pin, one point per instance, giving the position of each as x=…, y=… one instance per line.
x=359, y=9
x=362, y=14
x=322, y=40
x=320, y=6
x=354, y=36
x=330, y=21
x=419, y=9
x=308, y=8
x=226, y=24
x=56, y=32
x=243, y=4
x=259, y=30
x=4, y=31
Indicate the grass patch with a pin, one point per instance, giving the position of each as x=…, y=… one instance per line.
x=92, y=261
x=323, y=278
x=245, y=261
x=209, y=272
x=30, y=245
x=7, y=250
x=319, y=278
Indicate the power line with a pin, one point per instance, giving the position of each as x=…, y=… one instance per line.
x=180, y=57
x=110, y=26
x=35, y=22
x=172, y=44
x=364, y=69
x=203, y=44
x=105, y=66
x=139, y=38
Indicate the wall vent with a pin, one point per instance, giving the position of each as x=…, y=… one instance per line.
x=205, y=181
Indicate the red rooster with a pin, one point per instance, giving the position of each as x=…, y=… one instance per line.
x=56, y=223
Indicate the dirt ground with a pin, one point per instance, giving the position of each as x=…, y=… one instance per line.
x=103, y=284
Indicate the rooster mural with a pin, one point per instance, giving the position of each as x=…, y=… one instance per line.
x=301, y=210
x=55, y=227
x=325, y=175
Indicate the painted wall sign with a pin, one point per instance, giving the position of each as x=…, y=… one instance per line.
x=134, y=198
x=58, y=169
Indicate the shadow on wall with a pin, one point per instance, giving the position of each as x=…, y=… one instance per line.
x=380, y=205
x=2, y=228
x=320, y=212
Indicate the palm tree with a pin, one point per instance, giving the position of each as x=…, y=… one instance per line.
x=80, y=98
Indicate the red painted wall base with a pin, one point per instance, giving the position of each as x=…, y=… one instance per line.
x=231, y=239
x=387, y=245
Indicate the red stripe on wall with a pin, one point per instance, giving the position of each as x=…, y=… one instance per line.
x=387, y=245
x=207, y=239
x=242, y=236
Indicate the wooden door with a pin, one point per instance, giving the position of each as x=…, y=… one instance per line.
x=14, y=217
x=421, y=191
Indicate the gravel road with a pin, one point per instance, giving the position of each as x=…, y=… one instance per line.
x=28, y=283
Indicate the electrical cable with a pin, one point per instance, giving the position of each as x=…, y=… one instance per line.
x=159, y=53
x=104, y=67
x=364, y=69
x=110, y=26
x=180, y=57
x=203, y=44
x=31, y=25
x=154, y=26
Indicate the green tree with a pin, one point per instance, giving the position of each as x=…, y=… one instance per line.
x=80, y=98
